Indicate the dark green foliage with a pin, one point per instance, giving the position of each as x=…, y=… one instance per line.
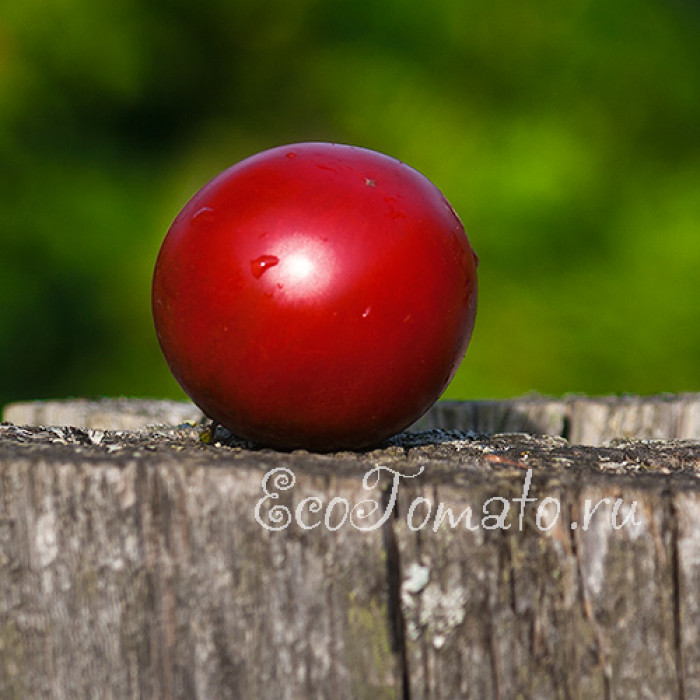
x=567, y=136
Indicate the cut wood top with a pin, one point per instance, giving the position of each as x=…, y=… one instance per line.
x=579, y=419
x=446, y=457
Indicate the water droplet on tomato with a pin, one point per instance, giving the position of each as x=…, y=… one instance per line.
x=262, y=264
x=205, y=215
x=291, y=154
x=367, y=312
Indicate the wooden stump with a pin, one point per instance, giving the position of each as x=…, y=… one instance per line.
x=146, y=563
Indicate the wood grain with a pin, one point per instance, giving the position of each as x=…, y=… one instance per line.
x=132, y=564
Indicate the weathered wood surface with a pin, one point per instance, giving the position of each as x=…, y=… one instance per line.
x=579, y=419
x=132, y=565
x=102, y=414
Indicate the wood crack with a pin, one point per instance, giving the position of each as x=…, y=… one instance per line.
x=396, y=620
x=676, y=596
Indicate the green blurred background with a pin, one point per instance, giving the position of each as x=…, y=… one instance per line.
x=567, y=136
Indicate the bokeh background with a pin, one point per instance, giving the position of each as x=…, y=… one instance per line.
x=566, y=135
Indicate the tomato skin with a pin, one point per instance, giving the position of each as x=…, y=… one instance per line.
x=315, y=296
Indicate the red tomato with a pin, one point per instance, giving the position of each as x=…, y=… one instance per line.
x=315, y=296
